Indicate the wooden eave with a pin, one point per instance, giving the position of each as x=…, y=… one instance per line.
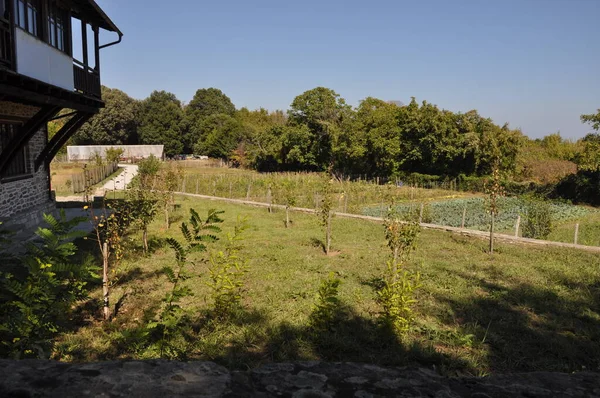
x=91, y=12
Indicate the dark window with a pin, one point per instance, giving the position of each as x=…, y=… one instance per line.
x=28, y=16
x=20, y=164
x=57, y=29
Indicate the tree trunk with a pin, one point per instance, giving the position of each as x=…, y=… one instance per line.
x=145, y=238
x=328, y=237
x=167, y=220
x=105, y=294
x=492, y=235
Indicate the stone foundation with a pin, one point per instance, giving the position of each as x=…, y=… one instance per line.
x=163, y=379
x=20, y=196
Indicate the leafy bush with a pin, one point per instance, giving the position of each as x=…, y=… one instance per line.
x=326, y=307
x=396, y=296
x=226, y=270
x=537, y=223
x=40, y=288
x=114, y=154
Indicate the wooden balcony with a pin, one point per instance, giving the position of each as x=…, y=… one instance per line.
x=6, y=45
x=86, y=79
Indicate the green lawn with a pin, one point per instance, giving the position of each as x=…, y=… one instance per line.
x=523, y=309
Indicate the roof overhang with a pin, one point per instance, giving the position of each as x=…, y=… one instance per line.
x=91, y=12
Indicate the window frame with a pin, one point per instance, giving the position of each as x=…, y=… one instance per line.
x=20, y=166
x=24, y=21
x=56, y=13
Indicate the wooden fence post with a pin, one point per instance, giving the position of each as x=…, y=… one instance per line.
x=248, y=191
x=346, y=202
x=269, y=199
x=576, y=233
x=421, y=214
x=462, y=224
x=517, y=225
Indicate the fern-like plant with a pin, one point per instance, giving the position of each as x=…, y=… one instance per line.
x=196, y=234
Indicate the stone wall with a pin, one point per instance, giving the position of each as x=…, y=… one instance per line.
x=19, y=198
x=155, y=378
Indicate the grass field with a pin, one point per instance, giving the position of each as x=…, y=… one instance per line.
x=522, y=309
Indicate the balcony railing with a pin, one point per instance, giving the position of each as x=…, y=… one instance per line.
x=6, y=53
x=87, y=80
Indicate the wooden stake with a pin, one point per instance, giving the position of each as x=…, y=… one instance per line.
x=421, y=214
x=462, y=224
x=576, y=233
x=106, y=306
x=517, y=225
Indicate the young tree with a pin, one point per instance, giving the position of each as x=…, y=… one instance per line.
x=170, y=178
x=325, y=211
x=396, y=294
x=494, y=191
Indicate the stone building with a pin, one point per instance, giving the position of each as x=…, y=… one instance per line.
x=40, y=81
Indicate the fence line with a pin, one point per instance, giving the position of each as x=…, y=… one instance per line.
x=91, y=176
x=461, y=231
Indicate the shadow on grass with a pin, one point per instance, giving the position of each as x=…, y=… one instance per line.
x=529, y=327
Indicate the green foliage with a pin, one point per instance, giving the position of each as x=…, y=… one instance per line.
x=227, y=269
x=583, y=187
x=114, y=154
x=396, y=296
x=219, y=136
x=449, y=212
x=115, y=124
x=160, y=119
x=593, y=119
x=148, y=169
x=40, y=288
x=326, y=309
x=537, y=222
x=195, y=234
x=170, y=178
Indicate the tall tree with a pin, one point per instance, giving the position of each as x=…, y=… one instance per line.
x=220, y=134
x=160, y=122
x=323, y=111
x=115, y=124
x=206, y=102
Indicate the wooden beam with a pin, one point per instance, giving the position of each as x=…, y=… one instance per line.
x=84, y=42
x=97, y=48
x=38, y=98
x=24, y=134
x=61, y=138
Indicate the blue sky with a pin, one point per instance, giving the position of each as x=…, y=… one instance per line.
x=532, y=63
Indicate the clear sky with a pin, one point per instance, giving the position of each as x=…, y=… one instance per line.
x=532, y=63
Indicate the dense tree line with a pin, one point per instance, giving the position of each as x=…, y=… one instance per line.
x=321, y=132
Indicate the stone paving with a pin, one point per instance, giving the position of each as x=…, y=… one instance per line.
x=157, y=378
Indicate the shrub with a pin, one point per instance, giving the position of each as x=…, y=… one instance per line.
x=114, y=154
x=227, y=269
x=537, y=223
x=39, y=290
x=396, y=296
x=325, y=310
